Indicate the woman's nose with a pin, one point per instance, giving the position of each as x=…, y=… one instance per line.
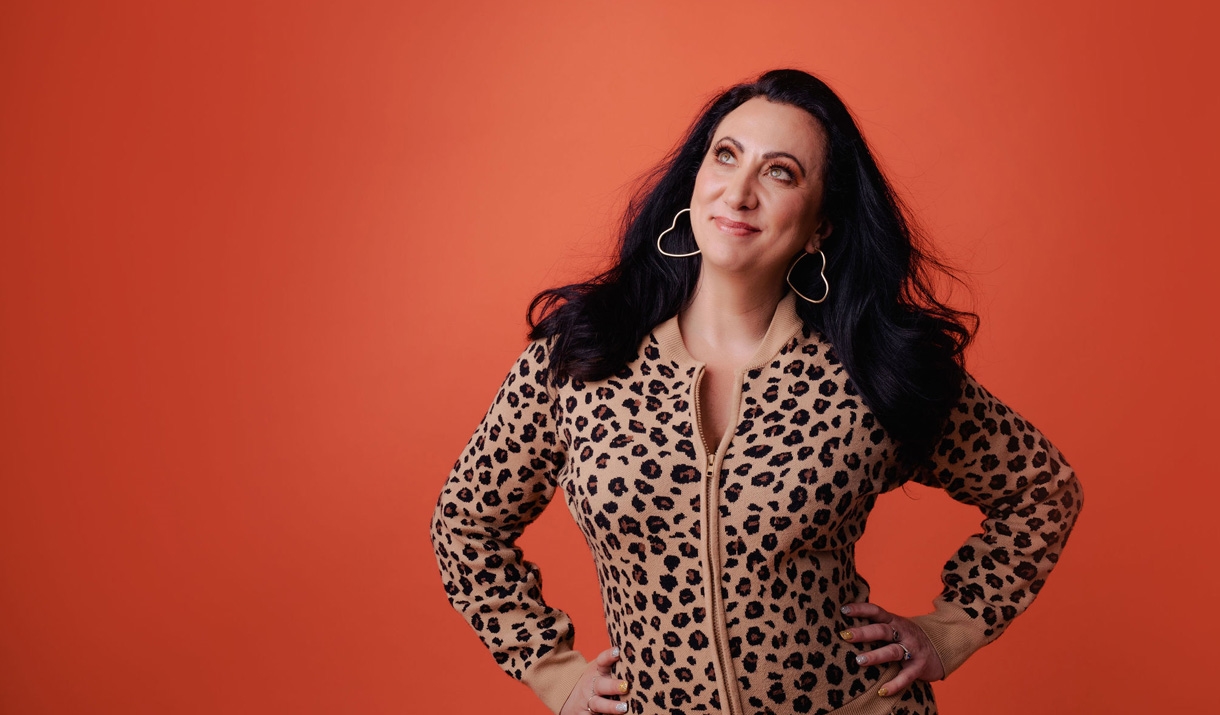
x=739, y=194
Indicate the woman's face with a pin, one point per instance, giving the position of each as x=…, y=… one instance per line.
x=758, y=194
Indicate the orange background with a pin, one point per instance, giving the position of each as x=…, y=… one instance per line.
x=264, y=264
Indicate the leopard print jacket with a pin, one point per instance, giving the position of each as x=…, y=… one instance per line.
x=722, y=575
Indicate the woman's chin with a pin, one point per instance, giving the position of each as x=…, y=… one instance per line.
x=737, y=268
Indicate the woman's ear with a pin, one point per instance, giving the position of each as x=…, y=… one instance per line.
x=815, y=241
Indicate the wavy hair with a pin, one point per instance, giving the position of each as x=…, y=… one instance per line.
x=901, y=346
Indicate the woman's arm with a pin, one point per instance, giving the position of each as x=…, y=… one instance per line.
x=502, y=481
x=992, y=458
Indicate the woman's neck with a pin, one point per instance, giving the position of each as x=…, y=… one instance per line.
x=725, y=320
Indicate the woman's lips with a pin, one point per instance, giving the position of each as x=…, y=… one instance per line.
x=736, y=228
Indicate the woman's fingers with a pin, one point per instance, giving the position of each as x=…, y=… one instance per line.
x=905, y=677
x=605, y=661
x=610, y=686
x=604, y=705
x=605, y=685
x=871, y=611
x=593, y=692
x=884, y=654
x=918, y=666
x=869, y=633
x=903, y=637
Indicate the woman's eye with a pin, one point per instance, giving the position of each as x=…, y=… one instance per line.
x=779, y=172
x=721, y=154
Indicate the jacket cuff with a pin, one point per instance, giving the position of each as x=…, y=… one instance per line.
x=554, y=675
x=952, y=633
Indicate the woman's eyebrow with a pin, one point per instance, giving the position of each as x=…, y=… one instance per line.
x=768, y=155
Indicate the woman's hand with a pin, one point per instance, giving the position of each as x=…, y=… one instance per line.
x=598, y=682
x=903, y=636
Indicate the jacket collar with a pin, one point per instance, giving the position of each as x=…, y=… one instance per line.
x=784, y=325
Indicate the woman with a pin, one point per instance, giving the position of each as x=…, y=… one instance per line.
x=720, y=411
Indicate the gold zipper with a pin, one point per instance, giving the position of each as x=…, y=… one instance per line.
x=711, y=455
x=713, y=579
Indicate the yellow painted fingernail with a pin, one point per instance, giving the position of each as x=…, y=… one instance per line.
x=845, y=635
x=883, y=692
x=622, y=686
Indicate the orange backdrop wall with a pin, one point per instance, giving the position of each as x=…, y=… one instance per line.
x=264, y=264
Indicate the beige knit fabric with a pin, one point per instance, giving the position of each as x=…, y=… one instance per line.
x=771, y=519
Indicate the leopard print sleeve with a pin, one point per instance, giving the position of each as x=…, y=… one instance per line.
x=502, y=481
x=992, y=458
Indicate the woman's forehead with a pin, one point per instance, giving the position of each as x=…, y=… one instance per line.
x=764, y=126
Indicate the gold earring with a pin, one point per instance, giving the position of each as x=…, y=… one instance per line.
x=821, y=274
x=671, y=227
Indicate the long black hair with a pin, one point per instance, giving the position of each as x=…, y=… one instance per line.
x=901, y=346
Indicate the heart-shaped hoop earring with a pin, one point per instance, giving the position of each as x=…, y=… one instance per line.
x=671, y=227
x=821, y=274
